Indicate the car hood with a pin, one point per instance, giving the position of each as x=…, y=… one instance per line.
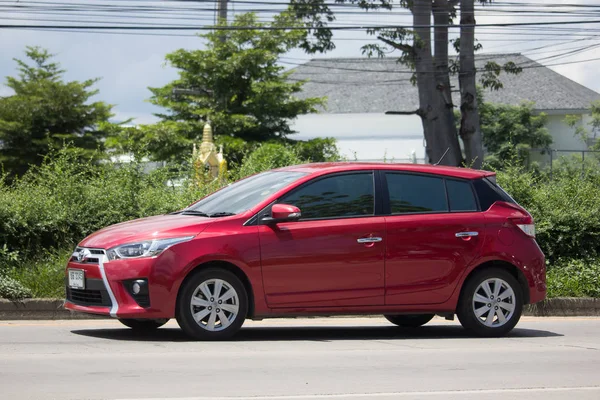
x=157, y=227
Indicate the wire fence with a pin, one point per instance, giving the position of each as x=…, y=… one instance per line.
x=551, y=158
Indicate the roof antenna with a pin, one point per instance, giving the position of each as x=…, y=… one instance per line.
x=443, y=155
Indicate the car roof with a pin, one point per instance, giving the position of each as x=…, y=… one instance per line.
x=331, y=167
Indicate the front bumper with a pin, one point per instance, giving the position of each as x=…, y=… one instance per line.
x=108, y=290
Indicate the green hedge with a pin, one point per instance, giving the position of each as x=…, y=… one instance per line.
x=565, y=207
x=574, y=278
x=44, y=214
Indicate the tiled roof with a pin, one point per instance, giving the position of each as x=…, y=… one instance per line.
x=375, y=85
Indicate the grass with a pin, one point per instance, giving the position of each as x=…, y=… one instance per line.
x=44, y=277
x=574, y=278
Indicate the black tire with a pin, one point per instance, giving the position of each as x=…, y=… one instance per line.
x=466, y=309
x=409, y=320
x=185, y=310
x=143, y=325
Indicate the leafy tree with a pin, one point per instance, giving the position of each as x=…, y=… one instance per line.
x=512, y=131
x=45, y=112
x=431, y=64
x=587, y=132
x=236, y=83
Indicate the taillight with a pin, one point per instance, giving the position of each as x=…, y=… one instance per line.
x=528, y=229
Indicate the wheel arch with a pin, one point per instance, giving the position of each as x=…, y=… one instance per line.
x=227, y=266
x=505, y=265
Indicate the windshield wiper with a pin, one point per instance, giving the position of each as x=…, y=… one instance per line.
x=221, y=214
x=195, y=212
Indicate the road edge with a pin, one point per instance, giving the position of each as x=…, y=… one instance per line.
x=53, y=309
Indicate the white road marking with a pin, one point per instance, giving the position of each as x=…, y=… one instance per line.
x=441, y=393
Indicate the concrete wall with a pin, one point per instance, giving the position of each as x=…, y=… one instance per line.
x=373, y=137
x=563, y=137
x=366, y=136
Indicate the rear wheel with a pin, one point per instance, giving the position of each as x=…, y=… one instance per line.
x=409, y=320
x=491, y=303
x=143, y=325
x=212, y=305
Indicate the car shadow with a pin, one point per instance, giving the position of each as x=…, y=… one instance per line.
x=312, y=333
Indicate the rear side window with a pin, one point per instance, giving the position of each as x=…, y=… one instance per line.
x=337, y=196
x=460, y=196
x=488, y=193
x=416, y=193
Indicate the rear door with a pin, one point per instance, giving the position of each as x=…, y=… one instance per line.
x=434, y=231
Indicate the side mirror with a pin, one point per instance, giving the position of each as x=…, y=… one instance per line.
x=283, y=213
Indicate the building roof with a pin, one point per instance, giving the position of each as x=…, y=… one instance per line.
x=376, y=85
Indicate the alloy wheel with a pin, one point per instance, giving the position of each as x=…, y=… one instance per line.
x=215, y=305
x=494, y=302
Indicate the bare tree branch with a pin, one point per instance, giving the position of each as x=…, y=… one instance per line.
x=400, y=46
x=415, y=112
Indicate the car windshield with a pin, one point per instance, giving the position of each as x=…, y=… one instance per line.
x=243, y=195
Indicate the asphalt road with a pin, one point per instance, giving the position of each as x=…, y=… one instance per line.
x=307, y=359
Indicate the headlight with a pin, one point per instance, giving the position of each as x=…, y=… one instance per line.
x=148, y=248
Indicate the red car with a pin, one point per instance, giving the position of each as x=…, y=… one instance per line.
x=406, y=241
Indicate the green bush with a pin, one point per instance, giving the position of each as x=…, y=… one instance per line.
x=314, y=150
x=47, y=212
x=269, y=156
x=44, y=276
x=574, y=278
x=12, y=289
x=565, y=208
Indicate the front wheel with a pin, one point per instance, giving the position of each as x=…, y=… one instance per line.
x=212, y=305
x=410, y=320
x=143, y=325
x=491, y=303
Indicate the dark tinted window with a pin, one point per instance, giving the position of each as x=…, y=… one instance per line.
x=336, y=196
x=488, y=193
x=416, y=193
x=460, y=196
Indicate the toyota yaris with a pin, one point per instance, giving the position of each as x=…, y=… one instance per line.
x=406, y=241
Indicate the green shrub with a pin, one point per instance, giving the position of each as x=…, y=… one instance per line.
x=317, y=150
x=43, y=275
x=12, y=289
x=269, y=156
x=574, y=278
x=565, y=208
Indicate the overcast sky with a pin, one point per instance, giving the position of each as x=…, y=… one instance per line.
x=129, y=64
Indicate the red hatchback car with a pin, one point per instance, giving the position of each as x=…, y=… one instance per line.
x=406, y=241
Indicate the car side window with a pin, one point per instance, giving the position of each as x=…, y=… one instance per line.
x=460, y=196
x=337, y=196
x=416, y=193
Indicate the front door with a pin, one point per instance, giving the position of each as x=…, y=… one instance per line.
x=433, y=233
x=334, y=255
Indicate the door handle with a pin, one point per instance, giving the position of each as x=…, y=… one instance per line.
x=369, y=240
x=466, y=234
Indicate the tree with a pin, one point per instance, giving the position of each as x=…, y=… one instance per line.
x=45, y=112
x=590, y=133
x=435, y=101
x=470, y=128
x=235, y=83
x=512, y=130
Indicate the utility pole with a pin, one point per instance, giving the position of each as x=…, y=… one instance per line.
x=222, y=10
x=222, y=5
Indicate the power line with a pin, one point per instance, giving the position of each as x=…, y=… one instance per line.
x=276, y=28
x=396, y=81
x=525, y=65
